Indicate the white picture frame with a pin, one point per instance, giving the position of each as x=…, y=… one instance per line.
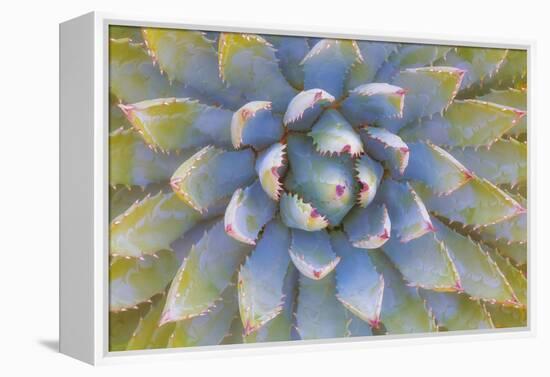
x=84, y=192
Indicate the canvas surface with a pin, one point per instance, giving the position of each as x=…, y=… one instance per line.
x=272, y=188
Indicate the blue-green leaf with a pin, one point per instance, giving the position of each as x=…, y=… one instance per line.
x=333, y=134
x=327, y=182
x=254, y=124
x=360, y=287
x=368, y=228
x=468, y=123
x=247, y=213
x=269, y=167
x=133, y=163
x=374, y=55
x=132, y=75
x=477, y=203
x=429, y=90
x=297, y=214
x=135, y=280
x=290, y=51
x=368, y=103
x=312, y=253
x=208, y=329
x=424, y=263
x=480, y=276
x=409, y=217
x=204, y=275
x=479, y=63
x=369, y=175
x=403, y=310
x=179, y=123
x=516, y=98
x=327, y=64
x=436, y=168
x=212, y=174
x=189, y=57
x=262, y=276
x=305, y=108
x=388, y=147
x=319, y=314
x=504, y=162
x=457, y=311
x=248, y=63
x=150, y=225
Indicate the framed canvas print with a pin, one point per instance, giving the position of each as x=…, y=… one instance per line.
x=232, y=188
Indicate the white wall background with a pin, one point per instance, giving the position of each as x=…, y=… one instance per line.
x=29, y=183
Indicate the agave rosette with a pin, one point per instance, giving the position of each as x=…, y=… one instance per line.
x=271, y=188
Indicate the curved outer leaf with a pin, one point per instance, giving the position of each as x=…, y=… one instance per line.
x=121, y=326
x=411, y=56
x=319, y=314
x=247, y=213
x=212, y=174
x=121, y=31
x=504, y=162
x=436, y=168
x=122, y=197
x=507, y=316
x=209, y=329
x=479, y=275
x=368, y=228
x=262, y=277
x=429, y=90
x=358, y=327
x=512, y=72
x=179, y=123
x=409, y=217
x=150, y=225
x=455, y=311
x=369, y=103
x=374, y=55
x=133, y=163
x=468, y=123
x=203, y=275
x=360, y=287
x=290, y=51
x=143, y=335
x=295, y=213
x=133, y=280
x=386, y=146
x=268, y=167
x=327, y=64
x=516, y=98
x=132, y=75
x=479, y=63
x=515, y=251
x=189, y=57
x=305, y=108
x=326, y=182
x=247, y=62
x=333, y=134
x=477, y=203
x=507, y=231
x=403, y=310
x=117, y=119
x=514, y=276
x=424, y=263
x=254, y=124
x=312, y=253
x=280, y=328
x=369, y=175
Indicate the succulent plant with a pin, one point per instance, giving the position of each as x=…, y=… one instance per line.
x=269, y=188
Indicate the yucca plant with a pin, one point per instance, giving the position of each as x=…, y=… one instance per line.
x=269, y=188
